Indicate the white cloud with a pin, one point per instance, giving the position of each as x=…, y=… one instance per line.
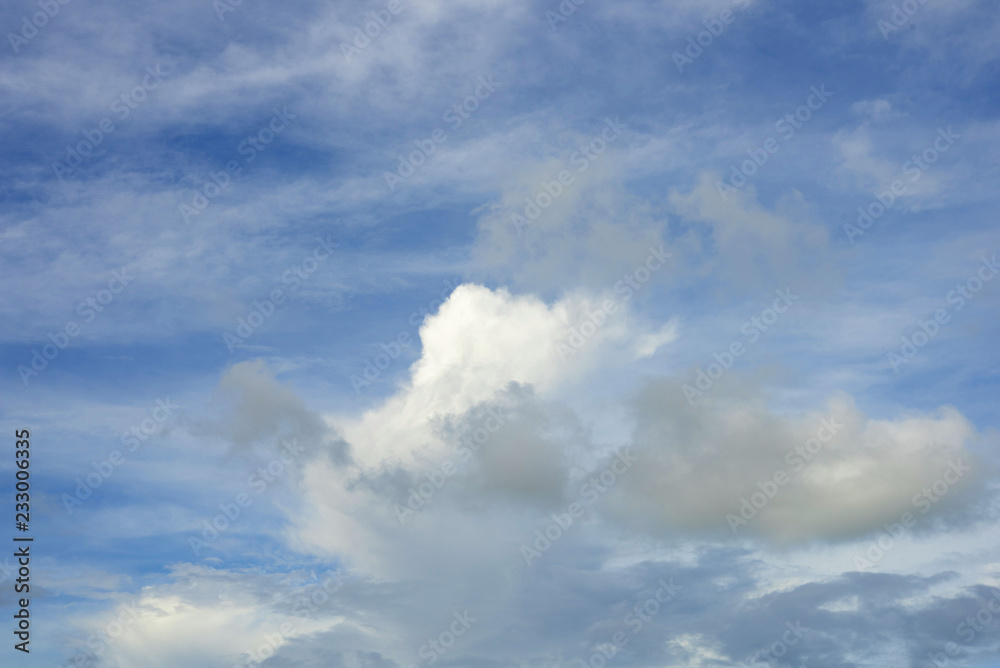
x=875, y=110
x=648, y=344
x=478, y=343
x=203, y=617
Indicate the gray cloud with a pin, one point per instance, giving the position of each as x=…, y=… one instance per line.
x=728, y=462
x=253, y=410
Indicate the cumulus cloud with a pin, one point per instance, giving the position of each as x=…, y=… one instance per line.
x=693, y=465
x=728, y=462
x=479, y=342
x=717, y=608
x=208, y=617
x=484, y=353
x=526, y=379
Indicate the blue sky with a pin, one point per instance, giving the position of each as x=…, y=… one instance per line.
x=443, y=277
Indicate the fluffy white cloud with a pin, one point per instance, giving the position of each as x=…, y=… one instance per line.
x=207, y=618
x=481, y=341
